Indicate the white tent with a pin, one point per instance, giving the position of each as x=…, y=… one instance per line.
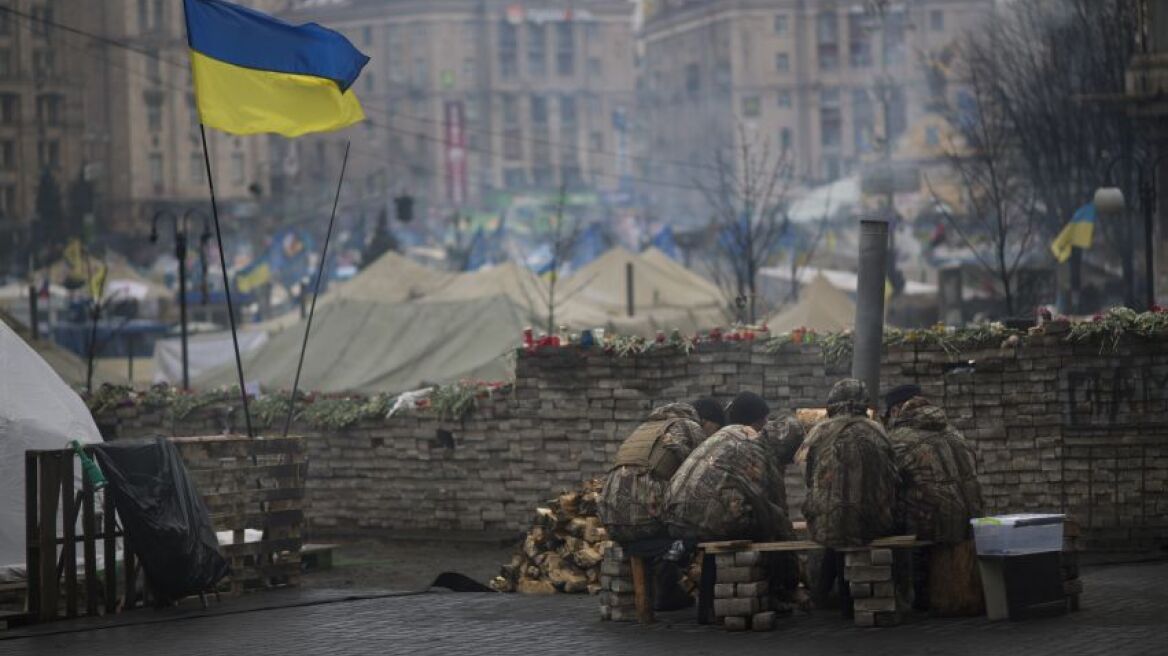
x=205, y=351
x=38, y=410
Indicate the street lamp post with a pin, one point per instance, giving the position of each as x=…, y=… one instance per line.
x=1110, y=201
x=180, y=252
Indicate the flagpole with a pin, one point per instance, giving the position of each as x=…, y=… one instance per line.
x=226, y=282
x=316, y=291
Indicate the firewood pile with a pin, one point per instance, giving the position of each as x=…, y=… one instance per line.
x=562, y=550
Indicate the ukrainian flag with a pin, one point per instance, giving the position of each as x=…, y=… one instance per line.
x=1077, y=233
x=254, y=73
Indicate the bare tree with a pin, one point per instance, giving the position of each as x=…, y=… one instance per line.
x=565, y=234
x=1001, y=220
x=749, y=216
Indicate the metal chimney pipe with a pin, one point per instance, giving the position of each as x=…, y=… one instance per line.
x=629, y=286
x=869, y=333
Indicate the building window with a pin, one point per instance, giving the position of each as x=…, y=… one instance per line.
x=143, y=15
x=937, y=20
x=197, y=169
x=539, y=113
x=785, y=98
x=154, y=114
x=7, y=155
x=536, y=49
x=829, y=126
x=568, y=114
x=859, y=41
x=237, y=169
x=158, y=20
x=42, y=18
x=542, y=176
x=565, y=49
x=421, y=73
x=9, y=108
x=751, y=107
x=8, y=199
x=153, y=66
x=48, y=154
x=154, y=162
x=785, y=140
x=508, y=50
x=596, y=141
x=5, y=24
x=595, y=66
x=831, y=168
x=863, y=120
x=829, y=96
x=827, y=36
x=468, y=70
x=895, y=25
x=514, y=178
x=782, y=62
x=693, y=78
x=781, y=25
x=44, y=63
x=5, y=62
x=49, y=109
x=512, y=133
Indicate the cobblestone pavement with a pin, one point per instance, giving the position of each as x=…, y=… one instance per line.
x=1125, y=608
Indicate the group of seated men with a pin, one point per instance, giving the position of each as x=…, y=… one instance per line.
x=696, y=473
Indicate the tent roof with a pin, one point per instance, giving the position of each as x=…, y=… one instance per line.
x=821, y=307
x=511, y=280
x=382, y=347
x=680, y=272
x=656, y=284
x=38, y=410
x=71, y=368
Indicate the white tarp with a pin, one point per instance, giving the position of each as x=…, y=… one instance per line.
x=205, y=351
x=827, y=201
x=37, y=411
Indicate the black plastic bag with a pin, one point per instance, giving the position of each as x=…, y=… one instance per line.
x=165, y=519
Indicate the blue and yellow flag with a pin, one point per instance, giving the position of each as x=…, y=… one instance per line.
x=1077, y=233
x=254, y=73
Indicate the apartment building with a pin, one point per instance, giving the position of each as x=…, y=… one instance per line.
x=816, y=79
x=41, y=128
x=143, y=142
x=467, y=98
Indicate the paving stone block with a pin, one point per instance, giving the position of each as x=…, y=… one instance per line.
x=881, y=556
x=616, y=568
x=763, y=621
x=865, y=618
x=723, y=590
x=861, y=590
x=756, y=589
x=869, y=573
x=884, y=589
x=724, y=560
x=747, y=558
x=740, y=574
x=876, y=604
x=734, y=623
x=857, y=558
x=735, y=606
x=623, y=615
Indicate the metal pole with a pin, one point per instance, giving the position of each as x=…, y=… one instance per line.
x=180, y=248
x=869, y=334
x=226, y=283
x=1149, y=254
x=33, y=313
x=629, y=286
x=315, y=292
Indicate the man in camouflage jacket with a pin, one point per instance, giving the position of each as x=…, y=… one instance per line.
x=939, y=494
x=631, y=500
x=731, y=487
x=850, y=473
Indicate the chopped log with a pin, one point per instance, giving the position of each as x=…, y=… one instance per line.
x=586, y=557
x=577, y=526
x=569, y=503
x=536, y=587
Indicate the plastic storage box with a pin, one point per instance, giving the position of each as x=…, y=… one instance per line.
x=1007, y=535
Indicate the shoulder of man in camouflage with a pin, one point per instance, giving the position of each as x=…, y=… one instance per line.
x=784, y=435
x=919, y=413
x=674, y=411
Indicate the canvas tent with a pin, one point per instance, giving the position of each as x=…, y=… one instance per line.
x=821, y=307
x=38, y=410
x=666, y=295
x=205, y=351
x=387, y=347
x=71, y=368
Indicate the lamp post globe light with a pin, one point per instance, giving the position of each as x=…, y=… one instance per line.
x=1110, y=201
x=179, y=228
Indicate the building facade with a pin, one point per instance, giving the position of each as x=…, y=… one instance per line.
x=818, y=80
x=466, y=98
x=41, y=128
x=143, y=143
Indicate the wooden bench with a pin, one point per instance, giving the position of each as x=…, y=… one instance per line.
x=863, y=608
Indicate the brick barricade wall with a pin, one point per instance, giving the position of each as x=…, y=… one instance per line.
x=1058, y=427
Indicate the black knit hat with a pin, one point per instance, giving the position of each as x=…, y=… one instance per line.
x=900, y=394
x=747, y=409
x=710, y=410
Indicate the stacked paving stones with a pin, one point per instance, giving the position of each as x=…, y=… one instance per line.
x=869, y=576
x=742, y=599
x=617, y=601
x=1060, y=426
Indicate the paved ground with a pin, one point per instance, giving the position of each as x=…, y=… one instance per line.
x=1125, y=607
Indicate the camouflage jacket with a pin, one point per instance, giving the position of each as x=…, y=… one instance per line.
x=851, y=482
x=730, y=487
x=630, y=502
x=938, y=474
